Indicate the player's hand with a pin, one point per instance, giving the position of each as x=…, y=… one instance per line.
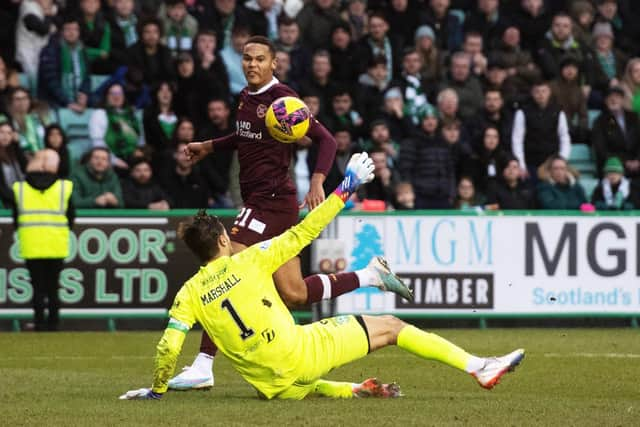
x=197, y=151
x=140, y=394
x=315, y=196
x=359, y=171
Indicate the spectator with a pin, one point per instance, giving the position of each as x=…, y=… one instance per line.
x=343, y=52
x=583, y=14
x=26, y=121
x=212, y=76
x=559, y=190
x=384, y=181
x=451, y=133
x=616, y=133
x=510, y=192
x=188, y=92
x=343, y=115
x=95, y=32
x=263, y=16
x=568, y=95
x=495, y=76
x=609, y=62
x=355, y=15
x=427, y=163
x=403, y=17
x=380, y=43
x=447, y=26
x=123, y=29
x=540, y=130
x=178, y=26
x=558, y=43
x=63, y=75
x=312, y=100
x=404, y=197
x=533, y=21
x=35, y=24
x=160, y=121
x=484, y=164
x=115, y=126
x=448, y=102
x=624, y=35
x=183, y=182
x=412, y=85
x=380, y=140
x=95, y=184
x=495, y=115
x=56, y=140
x=394, y=114
x=9, y=80
x=37, y=223
x=221, y=16
x=232, y=59
x=432, y=58
x=466, y=196
x=614, y=190
x=371, y=88
x=139, y=191
x=466, y=86
x=631, y=85
x=487, y=20
x=149, y=55
x=473, y=47
x=316, y=19
x=283, y=69
x=319, y=81
x=12, y=163
x=289, y=41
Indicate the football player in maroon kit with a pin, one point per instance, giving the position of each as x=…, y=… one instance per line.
x=270, y=203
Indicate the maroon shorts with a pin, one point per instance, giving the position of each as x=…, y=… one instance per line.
x=264, y=217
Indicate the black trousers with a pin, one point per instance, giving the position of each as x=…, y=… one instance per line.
x=44, y=279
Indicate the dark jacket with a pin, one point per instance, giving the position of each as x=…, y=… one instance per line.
x=520, y=197
x=550, y=55
x=532, y=29
x=559, y=196
x=600, y=79
x=6, y=193
x=42, y=181
x=365, y=53
x=449, y=30
x=139, y=196
x=598, y=199
x=154, y=68
x=50, y=75
x=426, y=162
x=316, y=24
x=609, y=140
x=185, y=192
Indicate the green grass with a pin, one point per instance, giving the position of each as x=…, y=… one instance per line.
x=569, y=377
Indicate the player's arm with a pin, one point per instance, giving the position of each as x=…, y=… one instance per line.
x=196, y=151
x=273, y=253
x=168, y=349
x=326, y=155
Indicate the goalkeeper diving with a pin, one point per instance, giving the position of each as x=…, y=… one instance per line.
x=235, y=300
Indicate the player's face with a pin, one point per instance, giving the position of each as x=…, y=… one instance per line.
x=258, y=65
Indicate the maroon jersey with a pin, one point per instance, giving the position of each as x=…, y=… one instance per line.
x=264, y=162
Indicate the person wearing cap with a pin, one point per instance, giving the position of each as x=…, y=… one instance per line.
x=567, y=93
x=43, y=213
x=614, y=190
x=427, y=162
x=609, y=61
x=431, y=56
x=447, y=26
x=616, y=133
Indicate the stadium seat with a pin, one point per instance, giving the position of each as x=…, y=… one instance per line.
x=24, y=80
x=592, y=117
x=589, y=184
x=97, y=80
x=76, y=126
x=580, y=153
x=459, y=14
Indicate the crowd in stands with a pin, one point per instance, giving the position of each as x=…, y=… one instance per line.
x=466, y=104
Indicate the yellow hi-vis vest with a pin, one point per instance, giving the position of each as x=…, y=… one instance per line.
x=43, y=228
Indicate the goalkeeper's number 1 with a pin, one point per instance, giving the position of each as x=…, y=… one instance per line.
x=245, y=332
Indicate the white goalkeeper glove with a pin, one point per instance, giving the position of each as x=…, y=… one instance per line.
x=141, y=394
x=359, y=171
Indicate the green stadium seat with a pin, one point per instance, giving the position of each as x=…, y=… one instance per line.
x=76, y=126
x=592, y=116
x=97, y=80
x=580, y=153
x=24, y=80
x=589, y=184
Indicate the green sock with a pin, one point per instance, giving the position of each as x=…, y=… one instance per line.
x=433, y=347
x=334, y=389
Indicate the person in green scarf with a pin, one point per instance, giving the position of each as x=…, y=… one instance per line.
x=63, y=77
x=28, y=124
x=96, y=36
x=179, y=26
x=116, y=127
x=614, y=191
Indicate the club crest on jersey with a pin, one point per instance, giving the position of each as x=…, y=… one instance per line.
x=261, y=111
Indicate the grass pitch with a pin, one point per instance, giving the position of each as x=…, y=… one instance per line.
x=569, y=377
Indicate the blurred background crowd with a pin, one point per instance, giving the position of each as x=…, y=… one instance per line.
x=466, y=104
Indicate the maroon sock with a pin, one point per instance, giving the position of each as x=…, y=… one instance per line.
x=207, y=346
x=340, y=283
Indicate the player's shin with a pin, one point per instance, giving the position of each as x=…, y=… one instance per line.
x=328, y=286
x=431, y=346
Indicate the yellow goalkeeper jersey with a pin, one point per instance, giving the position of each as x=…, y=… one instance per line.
x=236, y=302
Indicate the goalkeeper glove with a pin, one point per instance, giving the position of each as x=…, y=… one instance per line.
x=141, y=394
x=359, y=171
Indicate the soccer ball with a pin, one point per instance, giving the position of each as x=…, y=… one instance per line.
x=287, y=119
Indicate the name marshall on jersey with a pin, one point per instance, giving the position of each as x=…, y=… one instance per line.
x=219, y=290
x=243, y=129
